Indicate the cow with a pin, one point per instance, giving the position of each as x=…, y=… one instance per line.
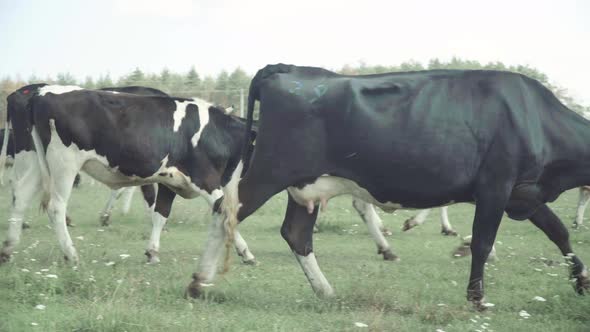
x=405, y=140
x=26, y=187
x=122, y=140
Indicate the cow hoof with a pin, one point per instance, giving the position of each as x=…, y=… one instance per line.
x=388, y=255
x=448, y=232
x=462, y=251
x=4, y=258
x=479, y=306
x=252, y=262
x=194, y=289
x=152, y=256
x=26, y=225
x=386, y=232
x=105, y=220
x=582, y=283
x=409, y=224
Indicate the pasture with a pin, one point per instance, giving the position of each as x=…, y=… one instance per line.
x=114, y=290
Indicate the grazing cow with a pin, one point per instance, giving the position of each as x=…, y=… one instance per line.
x=582, y=203
x=406, y=140
x=123, y=140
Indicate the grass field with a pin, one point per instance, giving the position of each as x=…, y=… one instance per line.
x=425, y=291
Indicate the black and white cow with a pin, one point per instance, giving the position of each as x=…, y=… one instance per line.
x=407, y=140
x=27, y=183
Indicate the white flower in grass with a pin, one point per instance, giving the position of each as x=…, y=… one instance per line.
x=94, y=261
x=441, y=304
x=44, y=270
x=524, y=314
x=359, y=324
x=37, y=272
x=81, y=238
x=538, y=270
x=34, y=324
x=124, y=256
x=109, y=263
x=51, y=276
x=539, y=298
x=488, y=305
x=25, y=270
x=33, y=260
x=40, y=307
x=440, y=330
x=99, y=317
x=120, y=281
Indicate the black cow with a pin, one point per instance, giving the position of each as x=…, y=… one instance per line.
x=411, y=140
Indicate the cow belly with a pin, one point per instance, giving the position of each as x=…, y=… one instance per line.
x=326, y=187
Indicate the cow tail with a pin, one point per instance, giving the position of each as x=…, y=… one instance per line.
x=3, y=152
x=42, y=159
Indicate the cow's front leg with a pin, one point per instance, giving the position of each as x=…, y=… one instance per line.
x=242, y=249
x=297, y=230
x=160, y=214
x=416, y=220
x=445, y=224
x=488, y=214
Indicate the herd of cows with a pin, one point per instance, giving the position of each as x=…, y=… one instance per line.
x=402, y=140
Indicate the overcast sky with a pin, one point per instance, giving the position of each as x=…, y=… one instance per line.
x=109, y=36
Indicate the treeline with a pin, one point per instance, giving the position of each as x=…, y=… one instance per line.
x=224, y=88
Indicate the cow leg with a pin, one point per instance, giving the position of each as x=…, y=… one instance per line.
x=550, y=224
x=465, y=249
x=582, y=203
x=160, y=214
x=374, y=225
x=446, y=228
x=59, y=196
x=297, y=230
x=105, y=215
x=25, y=190
x=416, y=220
x=488, y=215
x=242, y=249
x=127, y=199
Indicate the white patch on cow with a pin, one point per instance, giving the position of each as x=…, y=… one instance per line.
x=203, y=119
x=213, y=249
x=58, y=89
x=158, y=222
x=316, y=278
x=179, y=113
x=444, y=218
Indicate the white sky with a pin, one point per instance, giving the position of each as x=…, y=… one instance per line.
x=110, y=36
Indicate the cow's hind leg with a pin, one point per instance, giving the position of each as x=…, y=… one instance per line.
x=127, y=199
x=25, y=190
x=446, y=228
x=374, y=225
x=550, y=224
x=582, y=203
x=416, y=220
x=161, y=212
x=105, y=215
x=297, y=230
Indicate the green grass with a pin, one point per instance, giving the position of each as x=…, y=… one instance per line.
x=425, y=291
